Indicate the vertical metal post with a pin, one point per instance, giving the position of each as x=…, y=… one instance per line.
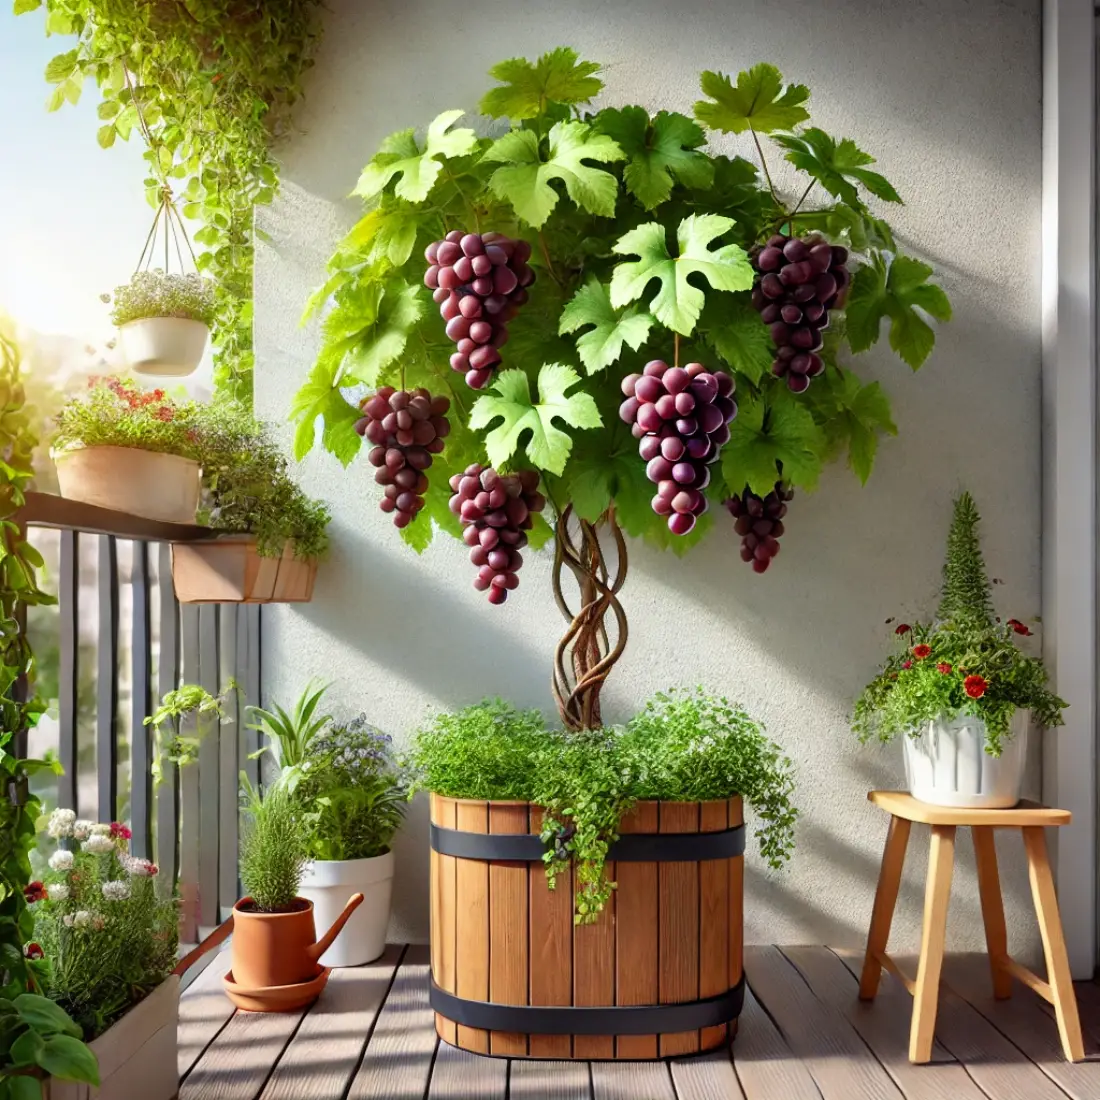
x=68, y=599
x=141, y=818
x=107, y=685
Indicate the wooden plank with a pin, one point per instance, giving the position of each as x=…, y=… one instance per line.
x=472, y=924
x=141, y=781
x=594, y=970
x=714, y=920
x=397, y=1063
x=448, y=919
x=631, y=1081
x=248, y=740
x=765, y=1066
x=227, y=733
x=508, y=928
x=937, y=900
x=106, y=702
x=1026, y=812
x=68, y=600
x=533, y=1080
x=50, y=510
x=678, y=926
x=709, y=1077
x=323, y=1057
x=239, y=1061
x=189, y=789
x=168, y=674
x=551, y=950
x=204, y=1011
x=459, y=1075
x=838, y=1060
x=737, y=903
x=636, y=933
x=886, y=899
x=209, y=772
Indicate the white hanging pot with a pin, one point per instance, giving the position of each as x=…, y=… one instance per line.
x=328, y=883
x=165, y=347
x=946, y=763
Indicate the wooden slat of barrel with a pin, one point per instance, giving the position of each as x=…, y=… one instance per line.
x=678, y=931
x=472, y=925
x=551, y=948
x=714, y=913
x=508, y=928
x=443, y=953
x=594, y=972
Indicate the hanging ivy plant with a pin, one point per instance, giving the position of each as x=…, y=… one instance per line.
x=214, y=80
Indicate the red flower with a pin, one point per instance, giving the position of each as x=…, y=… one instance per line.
x=921, y=651
x=120, y=830
x=906, y=664
x=165, y=413
x=158, y=395
x=33, y=951
x=943, y=667
x=975, y=686
x=1019, y=627
x=34, y=891
x=902, y=628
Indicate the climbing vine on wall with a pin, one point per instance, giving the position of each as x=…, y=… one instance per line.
x=215, y=81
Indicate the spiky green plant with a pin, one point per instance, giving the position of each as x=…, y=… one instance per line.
x=966, y=595
x=292, y=733
x=273, y=847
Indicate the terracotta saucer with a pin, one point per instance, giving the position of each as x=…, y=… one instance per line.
x=276, y=998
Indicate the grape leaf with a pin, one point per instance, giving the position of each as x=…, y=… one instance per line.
x=548, y=447
x=603, y=344
x=853, y=414
x=834, y=164
x=678, y=303
x=371, y=323
x=524, y=177
x=759, y=102
x=660, y=151
x=557, y=77
x=900, y=291
x=764, y=433
x=401, y=155
x=320, y=396
x=388, y=232
x=733, y=328
x=61, y=67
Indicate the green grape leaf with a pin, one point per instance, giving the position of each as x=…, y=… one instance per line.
x=524, y=177
x=734, y=330
x=660, y=151
x=541, y=532
x=320, y=396
x=835, y=164
x=603, y=343
x=371, y=322
x=678, y=304
x=854, y=414
x=388, y=232
x=901, y=292
x=418, y=167
x=548, y=447
x=557, y=77
x=759, y=101
x=768, y=432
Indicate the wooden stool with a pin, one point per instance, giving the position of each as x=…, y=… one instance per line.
x=1030, y=818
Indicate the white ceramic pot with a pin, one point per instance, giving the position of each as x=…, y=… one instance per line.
x=946, y=764
x=328, y=883
x=143, y=483
x=163, y=346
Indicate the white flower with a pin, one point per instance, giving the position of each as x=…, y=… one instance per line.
x=67, y=920
x=59, y=892
x=101, y=829
x=142, y=868
x=82, y=918
x=98, y=845
x=82, y=829
x=116, y=891
x=61, y=860
x=61, y=823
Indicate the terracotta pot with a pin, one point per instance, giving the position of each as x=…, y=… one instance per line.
x=163, y=346
x=229, y=570
x=280, y=949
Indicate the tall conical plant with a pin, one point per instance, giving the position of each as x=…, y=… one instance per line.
x=966, y=595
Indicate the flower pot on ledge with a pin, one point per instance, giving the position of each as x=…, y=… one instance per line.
x=660, y=972
x=231, y=570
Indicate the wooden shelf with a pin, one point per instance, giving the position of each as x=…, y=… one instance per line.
x=49, y=510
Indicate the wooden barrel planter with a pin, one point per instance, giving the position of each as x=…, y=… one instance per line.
x=658, y=975
x=230, y=570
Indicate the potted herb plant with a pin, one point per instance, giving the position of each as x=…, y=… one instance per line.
x=958, y=690
x=108, y=938
x=164, y=321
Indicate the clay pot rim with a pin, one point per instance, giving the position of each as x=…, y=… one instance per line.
x=257, y=915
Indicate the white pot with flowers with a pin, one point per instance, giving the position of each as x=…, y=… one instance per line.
x=959, y=690
x=107, y=932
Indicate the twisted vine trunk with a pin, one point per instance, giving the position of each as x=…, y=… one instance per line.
x=585, y=654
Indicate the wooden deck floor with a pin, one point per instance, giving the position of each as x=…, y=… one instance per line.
x=803, y=1034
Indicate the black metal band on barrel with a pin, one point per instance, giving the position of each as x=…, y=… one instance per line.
x=605, y=1020
x=629, y=848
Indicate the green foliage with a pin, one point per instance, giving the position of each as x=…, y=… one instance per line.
x=108, y=934
x=156, y=294
x=765, y=436
x=759, y=102
x=530, y=90
x=837, y=165
x=37, y=1037
x=215, y=80
x=176, y=705
x=965, y=663
x=292, y=733
x=611, y=328
x=274, y=846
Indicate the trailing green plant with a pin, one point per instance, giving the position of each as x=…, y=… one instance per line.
x=274, y=846
x=291, y=733
x=965, y=662
x=175, y=705
x=159, y=294
x=215, y=81
x=109, y=937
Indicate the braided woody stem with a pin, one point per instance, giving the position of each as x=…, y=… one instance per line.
x=585, y=656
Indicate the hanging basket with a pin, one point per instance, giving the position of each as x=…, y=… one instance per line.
x=165, y=347
x=231, y=570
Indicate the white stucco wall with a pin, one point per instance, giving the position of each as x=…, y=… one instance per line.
x=947, y=96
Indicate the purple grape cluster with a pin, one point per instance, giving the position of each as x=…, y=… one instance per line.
x=479, y=280
x=799, y=279
x=759, y=522
x=497, y=511
x=406, y=430
x=680, y=416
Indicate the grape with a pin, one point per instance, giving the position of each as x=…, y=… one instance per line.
x=799, y=279
x=497, y=511
x=407, y=428
x=680, y=417
x=478, y=280
x=759, y=522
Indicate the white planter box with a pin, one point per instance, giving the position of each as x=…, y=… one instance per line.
x=946, y=764
x=168, y=347
x=136, y=1055
x=329, y=883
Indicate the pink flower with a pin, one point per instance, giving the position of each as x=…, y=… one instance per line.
x=906, y=664
x=119, y=830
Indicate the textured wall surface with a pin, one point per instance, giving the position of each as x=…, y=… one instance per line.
x=946, y=95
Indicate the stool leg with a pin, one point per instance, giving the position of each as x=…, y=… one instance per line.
x=937, y=896
x=993, y=912
x=1054, y=944
x=886, y=897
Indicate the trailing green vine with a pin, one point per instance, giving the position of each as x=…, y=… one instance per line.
x=214, y=81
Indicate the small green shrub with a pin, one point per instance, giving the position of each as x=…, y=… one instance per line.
x=273, y=847
x=158, y=294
